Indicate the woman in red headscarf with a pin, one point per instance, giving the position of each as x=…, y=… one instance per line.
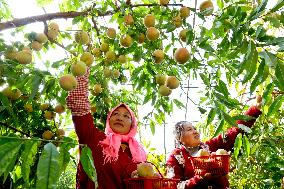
x=113, y=150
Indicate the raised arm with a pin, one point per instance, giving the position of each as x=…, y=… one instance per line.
x=228, y=141
x=79, y=104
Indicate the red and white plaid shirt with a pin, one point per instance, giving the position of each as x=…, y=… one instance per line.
x=78, y=99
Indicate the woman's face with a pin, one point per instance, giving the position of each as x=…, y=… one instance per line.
x=189, y=136
x=120, y=121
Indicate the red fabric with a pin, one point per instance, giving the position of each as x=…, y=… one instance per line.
x=180, y=164
x=110, y=175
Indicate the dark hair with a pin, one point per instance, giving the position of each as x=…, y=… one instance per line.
x=179, y=127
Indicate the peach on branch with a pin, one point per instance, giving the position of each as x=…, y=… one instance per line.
x=97, y=52
x=111, y=33
x=35, y=45
x=59, y=108
x=121, y=59
x=182, y=34
x=110, y=56
x=24, y=57
x=44, y=106
x=141, y=38
x=164, y=2
x=78, y=68
x=115, y=74
x=149, y=20
x=41, y=37
x=152, y=33
x=60, y=132
x=181, y=55
x=161, y=79
x=184, y=12
x=52, y=34
x=158, y=56
x=87, y=58
x=28, y=107
x=68, y=82
x=128, y=19
x=107, y=72
x=164, y=90
x=104, y=47
x=82, y=37
x=177, y=21
x=206, y=7
x=97, y=89
x=126, y=40
x=172, y=82
x=47, y=135
x=49, y=115
x=53, y=26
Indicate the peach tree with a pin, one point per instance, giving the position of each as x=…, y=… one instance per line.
x=142, y=53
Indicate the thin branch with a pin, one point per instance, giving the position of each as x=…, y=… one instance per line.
x=14, y=129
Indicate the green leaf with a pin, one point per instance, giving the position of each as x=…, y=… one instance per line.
x=211, y=116
x=279, y=4
x=47, y=168
x=251, y=62
x=28, y=155
x=268, y=90
x=246, y=145
x=87, y=161
x=189, y=36
x=178, y=103
x=64, y=155
x=205, y=79
x=262, y=74
x=222, y=88
x=201, y=110
x=276, y=104
x=279, y=74
x=43, y=2
x=244, y=128
x=237, y=145
x=220, y=4
x=228, y=118
x=9, y=149
x=219, y=128
x=152, y=126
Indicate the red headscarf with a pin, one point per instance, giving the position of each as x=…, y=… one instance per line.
x=112, y=142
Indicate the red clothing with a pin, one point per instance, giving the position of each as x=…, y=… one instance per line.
x=110, y=175
x=180, y=164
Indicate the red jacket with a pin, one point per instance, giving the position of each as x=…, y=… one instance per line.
x=110, y=175
x=180, y=164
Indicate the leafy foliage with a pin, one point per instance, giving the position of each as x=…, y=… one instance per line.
x=235, y=53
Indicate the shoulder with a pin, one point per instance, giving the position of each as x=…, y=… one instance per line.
x=177, y=156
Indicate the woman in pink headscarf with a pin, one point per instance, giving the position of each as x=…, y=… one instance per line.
x=113, y=150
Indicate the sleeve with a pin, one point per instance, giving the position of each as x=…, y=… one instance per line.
x=78, y=103
x=228, y=141
x=176, y=170
x=78, y=99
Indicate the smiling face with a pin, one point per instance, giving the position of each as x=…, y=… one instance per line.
x=189, y=136
x=120, y=121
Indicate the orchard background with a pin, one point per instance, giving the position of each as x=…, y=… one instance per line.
x=232, y=49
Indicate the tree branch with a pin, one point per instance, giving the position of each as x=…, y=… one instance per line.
x=13, y=128
x=18, y=22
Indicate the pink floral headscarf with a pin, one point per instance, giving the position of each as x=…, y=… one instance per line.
x=112, y=142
